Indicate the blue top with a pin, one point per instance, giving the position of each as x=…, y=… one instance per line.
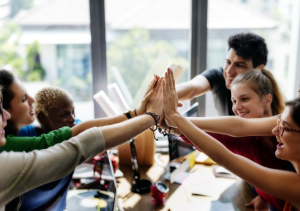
x=51, y=196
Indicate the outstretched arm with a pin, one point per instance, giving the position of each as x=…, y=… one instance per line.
x=236, y=126
x=193, y=88
x=282, y=184
x=119, y=118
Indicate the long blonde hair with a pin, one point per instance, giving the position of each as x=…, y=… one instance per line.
x=263, y=83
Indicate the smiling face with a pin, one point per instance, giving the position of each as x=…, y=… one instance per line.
x=247, y=103
x=4, y=116
x=62, y=114
x=234, y=66
x=21, y=108
x=289, y=145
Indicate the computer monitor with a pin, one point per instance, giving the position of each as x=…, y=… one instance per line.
x=92, y=197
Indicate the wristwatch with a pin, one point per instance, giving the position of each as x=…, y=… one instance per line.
x=127, y=113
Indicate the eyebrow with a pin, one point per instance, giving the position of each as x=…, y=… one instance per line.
x=285, y=122
x=241, y=96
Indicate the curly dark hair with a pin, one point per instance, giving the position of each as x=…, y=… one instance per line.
x=249, y=46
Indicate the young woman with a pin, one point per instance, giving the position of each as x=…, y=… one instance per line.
x=20, y=106
x=255, y=94
x=22, y=171
x=53, y=109
x=282, y=184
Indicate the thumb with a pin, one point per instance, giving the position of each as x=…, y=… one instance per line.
x=250, y=204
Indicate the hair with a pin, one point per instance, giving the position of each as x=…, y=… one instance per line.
x=46, y=99
x=294, y=105
x=249, y=46
x=263, y=82
x=6, y=80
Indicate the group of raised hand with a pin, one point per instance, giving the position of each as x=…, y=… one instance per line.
x=161, y=99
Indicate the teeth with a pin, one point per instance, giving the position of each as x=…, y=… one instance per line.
x=241, y=114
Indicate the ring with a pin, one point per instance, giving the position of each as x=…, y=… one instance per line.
x=172, y=87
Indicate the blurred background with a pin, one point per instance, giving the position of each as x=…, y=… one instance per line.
x=48, y=42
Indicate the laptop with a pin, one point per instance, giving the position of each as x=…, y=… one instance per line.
x=103, y=198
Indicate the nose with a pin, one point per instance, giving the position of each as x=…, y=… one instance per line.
x=6, y=114
x=31, y=100
x=238, y=105
x=275, y=131
x=230, y=70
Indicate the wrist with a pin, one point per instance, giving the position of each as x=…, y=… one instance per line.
x=174, y=117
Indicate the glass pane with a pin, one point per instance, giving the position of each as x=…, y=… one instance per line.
x=143, y=38
x=47, y=42
x=271, y=20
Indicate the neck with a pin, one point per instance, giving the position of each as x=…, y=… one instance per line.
x=296, y=166
x=11, y=128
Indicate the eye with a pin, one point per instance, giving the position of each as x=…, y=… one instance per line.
x=73, y=113
x=245, y=99
x=24, y=99
x=233, y=102
x=65, y=115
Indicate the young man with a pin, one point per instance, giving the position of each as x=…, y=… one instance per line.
x=247, y=51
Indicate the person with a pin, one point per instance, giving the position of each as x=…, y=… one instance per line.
x=255, y=94
x=23, y=171
x=19, y=104
x=53, y=109
x=247, y=51
x=281, y=184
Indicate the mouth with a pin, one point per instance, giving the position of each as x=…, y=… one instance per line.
x=2, y=131
x=280, y=145
x=242, y=114
x=31, y=113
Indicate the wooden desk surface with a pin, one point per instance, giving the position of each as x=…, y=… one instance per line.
x=179, y=195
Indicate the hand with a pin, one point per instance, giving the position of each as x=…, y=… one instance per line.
x=259, y=204
x=170, y=98
x=142, y=108
x=155, y=103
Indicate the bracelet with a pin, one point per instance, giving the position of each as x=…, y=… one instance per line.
x=135, y=111
x=156, y=122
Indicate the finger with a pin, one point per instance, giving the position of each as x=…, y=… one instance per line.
x=152, y=84
x=167, y=80
x=172, y=78
x=158, y=85
x=148, y=96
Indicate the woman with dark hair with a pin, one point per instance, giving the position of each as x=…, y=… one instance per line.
x=281, y=184
x=20, y=106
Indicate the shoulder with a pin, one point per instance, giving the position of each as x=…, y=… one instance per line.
x=27, y=131
x=215, y=77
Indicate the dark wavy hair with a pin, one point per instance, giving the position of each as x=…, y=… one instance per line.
x=249, y=46
x=6, y=81
x=294, y=105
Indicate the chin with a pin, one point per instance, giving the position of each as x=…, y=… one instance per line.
x=279, y=155
x=2, y=141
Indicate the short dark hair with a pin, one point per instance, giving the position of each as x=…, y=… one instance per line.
x=249, y=46
x=294, y=105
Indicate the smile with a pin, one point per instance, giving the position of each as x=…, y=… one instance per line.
x=241, y=114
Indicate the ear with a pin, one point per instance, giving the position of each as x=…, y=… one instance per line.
x=261, y=66
x=269, y=99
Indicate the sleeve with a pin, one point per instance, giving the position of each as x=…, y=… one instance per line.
x=27, y=144
x=21, y=171
x=235, y=145
x=215, y=78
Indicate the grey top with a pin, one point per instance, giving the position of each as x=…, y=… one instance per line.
x=21, y=171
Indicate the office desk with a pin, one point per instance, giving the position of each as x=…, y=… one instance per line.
x=179, y=195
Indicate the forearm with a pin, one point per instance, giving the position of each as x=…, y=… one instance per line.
x=235, y=126
x=185, y=91
x=30, y=170
x=97, y=123
x=118, y=134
